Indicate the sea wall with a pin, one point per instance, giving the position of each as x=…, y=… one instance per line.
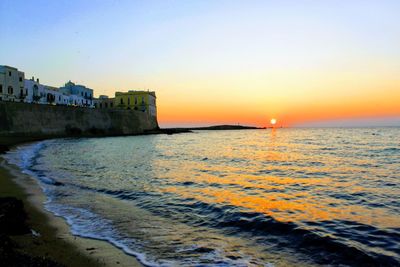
x=22, y=119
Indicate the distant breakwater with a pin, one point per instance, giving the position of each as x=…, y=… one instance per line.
x=46, y=121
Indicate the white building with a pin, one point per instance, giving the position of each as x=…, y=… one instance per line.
x=36, y=92
x=60, y=98
x=44, y=94
x=84, y=95
x=11, y=84
x=14, y=87
x=53, y=95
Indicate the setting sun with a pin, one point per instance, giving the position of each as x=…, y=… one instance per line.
x=166, y=134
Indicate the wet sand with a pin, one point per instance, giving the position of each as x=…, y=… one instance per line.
x=55, y=241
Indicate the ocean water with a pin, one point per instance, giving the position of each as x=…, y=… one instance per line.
x=283, y=197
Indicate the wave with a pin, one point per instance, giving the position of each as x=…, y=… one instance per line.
x=25, y=156
x=87, y=224
x=325, y=248
x=82, y=222
x=335, y=249
x=334, y=242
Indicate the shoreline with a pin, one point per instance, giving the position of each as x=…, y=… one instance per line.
x=56, y=245
x=55, y=241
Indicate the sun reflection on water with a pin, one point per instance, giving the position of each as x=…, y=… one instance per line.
x=304, y=188
x=340, y=184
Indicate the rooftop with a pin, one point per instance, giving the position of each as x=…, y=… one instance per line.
x=133, y=92
x=4, y=67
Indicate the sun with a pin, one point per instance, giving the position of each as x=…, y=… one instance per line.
x=273, y=121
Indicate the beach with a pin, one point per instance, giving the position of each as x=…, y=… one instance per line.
x=51, y=242
x=281, y=197
x=200, y=133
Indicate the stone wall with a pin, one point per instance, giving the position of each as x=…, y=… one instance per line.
x=21, y=119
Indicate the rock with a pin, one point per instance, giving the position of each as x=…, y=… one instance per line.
x=13, y=222
x=3, y=149
x=56, y=183
x=34, y=233
x=14, y=258
x=12, y=217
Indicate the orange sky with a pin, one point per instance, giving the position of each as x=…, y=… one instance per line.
x=218, y=62
x=339, y=97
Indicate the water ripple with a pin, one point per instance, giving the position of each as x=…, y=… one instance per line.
x=242, y=198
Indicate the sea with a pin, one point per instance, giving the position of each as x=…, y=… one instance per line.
x=271, y=197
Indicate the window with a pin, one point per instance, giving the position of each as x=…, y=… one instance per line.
x=100, y=105
x=1, y=88
x=59, y=98
x=20, y=79
x=105, y=105
x=122, y=101
x=135, y=100
x=9, y=73
x=129, y=100
x=10, y=90
x=111, y=104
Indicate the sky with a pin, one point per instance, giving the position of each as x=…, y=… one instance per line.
x=305, y=63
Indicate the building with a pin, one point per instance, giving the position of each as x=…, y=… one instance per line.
x=44, y=94
x=11, y=84
x=137, y=100
x=35, y=92
x=104, y=102
x=14, y=87
x=77, y=90
x=55, y=97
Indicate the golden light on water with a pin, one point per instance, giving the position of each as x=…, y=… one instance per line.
x=273, y=121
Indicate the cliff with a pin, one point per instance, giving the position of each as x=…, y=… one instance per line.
x=34, y=120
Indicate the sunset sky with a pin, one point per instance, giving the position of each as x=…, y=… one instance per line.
x=215, y=62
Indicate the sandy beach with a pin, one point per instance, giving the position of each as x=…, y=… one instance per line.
x=52, y=238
